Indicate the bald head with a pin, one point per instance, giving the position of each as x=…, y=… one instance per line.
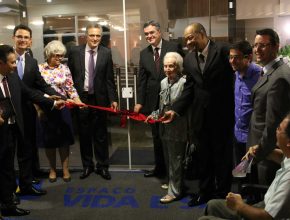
x=195, y=37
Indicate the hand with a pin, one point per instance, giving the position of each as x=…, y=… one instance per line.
x=251, y=152
x=137, y=108
x=59, y=104
x=54, y=97
x=1, y=121
x=148, y=118
x=168, y=117
x=114, y=106
x=234, y=201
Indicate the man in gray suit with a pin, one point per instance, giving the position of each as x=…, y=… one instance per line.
x=271, y=101
x=150, y=75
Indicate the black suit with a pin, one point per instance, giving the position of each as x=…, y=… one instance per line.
x=92, y=124
x=27, y=153
x=148, y=89
x=11, y=134
x=212, y=122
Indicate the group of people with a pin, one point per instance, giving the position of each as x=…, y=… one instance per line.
x=31, y=92
x=215, y=98
x=224, y=104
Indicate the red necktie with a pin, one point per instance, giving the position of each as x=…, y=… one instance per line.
x=157, y=59
x=5, y=86
x=91, y=72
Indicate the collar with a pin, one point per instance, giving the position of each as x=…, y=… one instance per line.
x=205, y=50
x=267, y=67
x=88, y=48
x=285, y=163
x=159, y=45
x=249, y=73
x=1, y=77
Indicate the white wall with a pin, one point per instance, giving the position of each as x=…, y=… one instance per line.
x=6, y=34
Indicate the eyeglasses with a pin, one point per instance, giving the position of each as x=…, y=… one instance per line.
x=261, y=45
x=233, y=57
x=58, y=56
x=20, y=37
x=94, y=36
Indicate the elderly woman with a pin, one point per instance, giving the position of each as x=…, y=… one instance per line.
x=174, y=134
x=57, y=125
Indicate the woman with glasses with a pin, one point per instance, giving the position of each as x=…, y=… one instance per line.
x=56, y=125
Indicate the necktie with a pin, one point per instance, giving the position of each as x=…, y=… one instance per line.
x=201, y=61
x=91, y=72
x=5, y=86
x=20, y=67
x=157, y=59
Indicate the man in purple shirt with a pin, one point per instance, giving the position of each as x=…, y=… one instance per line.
x=247, y=74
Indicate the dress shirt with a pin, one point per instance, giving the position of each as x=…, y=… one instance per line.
x=204, y=53
x=243, y=103
x=87, y=58
x=159, y=51
x=269, y=66
x=11, y=120
x=277, y=197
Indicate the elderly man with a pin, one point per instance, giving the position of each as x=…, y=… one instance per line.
x=277, y=199
x=210, y=87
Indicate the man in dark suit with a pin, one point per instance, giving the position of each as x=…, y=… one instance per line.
x=12, y=128
x=271, y=102
x=27, y=69
x=210, y=87
x=150, y=75
x=92, y=71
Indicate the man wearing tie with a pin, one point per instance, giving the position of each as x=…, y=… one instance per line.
x=91, y=66
x=27, y=69
x=11, y=124
x=148, y=86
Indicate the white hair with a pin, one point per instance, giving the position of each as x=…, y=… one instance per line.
x=178, y=59
x=54, y=47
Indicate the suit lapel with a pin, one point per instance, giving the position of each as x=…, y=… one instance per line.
x=82, y=61
x=210, y=57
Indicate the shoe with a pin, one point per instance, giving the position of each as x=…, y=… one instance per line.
x=104, y=172
x=35, y=181
x=150, y=173
x=14, y=211
x=164, y=186
x=167, y=199
x=86, y=172
x=15, y=199
x=66, y=179
x=198, y=199
x=33, y=192
x=52, y=180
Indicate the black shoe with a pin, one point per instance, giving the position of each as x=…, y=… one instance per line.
x=86, y=172
x=104, y=173
x=35, y=181
x=150, y=173
x=52, y=180
x=15, y=199
x=198, y=199
x=14, y=211
x=66, y=179
x=32, y=192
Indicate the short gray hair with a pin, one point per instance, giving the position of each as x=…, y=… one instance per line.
x=152, y=23
x=178, y=59
x=54, y=47
x=94, y=25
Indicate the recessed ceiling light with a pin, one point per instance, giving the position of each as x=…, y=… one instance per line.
x=48, y=1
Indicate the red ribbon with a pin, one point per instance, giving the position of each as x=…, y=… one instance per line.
x=124, y=113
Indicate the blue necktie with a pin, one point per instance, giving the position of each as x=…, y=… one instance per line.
x=20, y=67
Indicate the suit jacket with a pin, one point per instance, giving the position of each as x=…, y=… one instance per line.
x=212, y=92
x=271, y=102
x=18, y=90
x=149, y=79
x=104, y=84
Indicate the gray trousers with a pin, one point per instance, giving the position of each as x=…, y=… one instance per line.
x=217, y=210
x=174, y=155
